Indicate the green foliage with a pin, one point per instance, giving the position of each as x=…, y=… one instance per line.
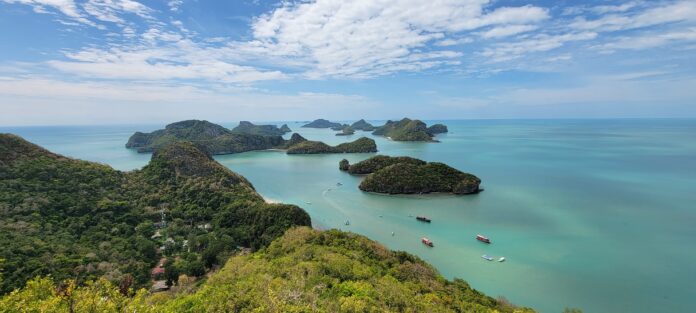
x=406, y=175
x=406, y=130
x=321, y=123
x=79, y=220
x=213, y=138
x=303, y=271
x=346, y=131
x=379, y=162
x=246, y=127
x=285, y=128
x=362, y=125
x=362, y=145
x=437, y=129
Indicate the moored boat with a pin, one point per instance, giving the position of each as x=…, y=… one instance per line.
x=423, y=219
x=502, y=259
x=483, y=239
x=427, y=242
x=487, y=257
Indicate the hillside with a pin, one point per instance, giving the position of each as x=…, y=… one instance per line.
x=362, y=125
x=214, y=138
x=303, y=271
x=322, y=123
x=408, y=130
x=246, y=127
x=437, y=129
x=75, y=219
x=346, y=131
x=405, y=175
x=362, y=145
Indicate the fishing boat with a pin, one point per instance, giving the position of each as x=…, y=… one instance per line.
x=427, y=242
x=487, y=257
x=339, y=184
x=423, y=219
x=502, y=259
x=483, y=239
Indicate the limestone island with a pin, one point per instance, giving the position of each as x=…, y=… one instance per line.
x=362, y=145
x=406, y=175
x=285, y=129
x=215, y=139
x=346, y=131
x=409, y=130
x=246, y=127
x=322, y=123
x=362, y=125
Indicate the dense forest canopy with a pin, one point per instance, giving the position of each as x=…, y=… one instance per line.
x=75, y=219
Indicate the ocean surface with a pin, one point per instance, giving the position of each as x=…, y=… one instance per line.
x=593, y=214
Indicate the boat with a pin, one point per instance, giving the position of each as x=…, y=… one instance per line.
x=347, y=222
x=308, y=202
x=483, y=239
x=487, y=257
x=502, y=259
x=339, y=184
x=423, y=219
x=427, y=242
x=392, y=233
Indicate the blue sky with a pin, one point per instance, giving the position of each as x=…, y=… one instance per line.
x=127, y=61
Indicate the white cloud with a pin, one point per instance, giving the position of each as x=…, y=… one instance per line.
x=648, y=40
x=673, y=12
x=338, y=38
x=539, y=43
x=508, y=30
x=66, y=7
x=175, y=5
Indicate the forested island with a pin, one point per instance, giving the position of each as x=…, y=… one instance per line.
x=215, y=139
x=362, y=145
x=322, y=123
x=362, y=125
x=246, y=127
x=98, y=232
x=406, y=175
x=346, y=131
x=409, y=130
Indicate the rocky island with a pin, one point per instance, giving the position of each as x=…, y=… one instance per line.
x=215, y=139
x=362, y=145
x=322, y=123
x=346, y=131
x=362, y=125
x=285, y=129
x=406, y=175
x=408, y=130
x=437, y=129
x=246, y=127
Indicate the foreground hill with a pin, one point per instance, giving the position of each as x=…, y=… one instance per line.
x=409, y=130
x=303, y=271
x=406, y=175
x=216, y=139
x=246, y=127
x=75, y=219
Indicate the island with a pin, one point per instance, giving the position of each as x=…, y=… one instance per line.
x=361, y=145
x=285, y=129
x=406, y=175
x=182, y=218
x=339, y=127
x=346, y=131
x=216, y=140
x=322, y=123
x=362, y=125
x=246, y=127
x=437, y=129
x=407, y=130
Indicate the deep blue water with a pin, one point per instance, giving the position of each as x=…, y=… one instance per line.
x=594, y=214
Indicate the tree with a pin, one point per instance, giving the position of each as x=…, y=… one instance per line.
x=171, y=272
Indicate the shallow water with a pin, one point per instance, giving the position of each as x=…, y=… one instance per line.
x=594, y=214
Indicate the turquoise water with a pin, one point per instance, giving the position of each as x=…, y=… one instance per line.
x=594, y=214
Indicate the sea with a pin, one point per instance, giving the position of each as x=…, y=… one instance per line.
x=595, y=214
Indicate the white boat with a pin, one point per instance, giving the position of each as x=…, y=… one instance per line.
x=502, y=259
x=487, y=257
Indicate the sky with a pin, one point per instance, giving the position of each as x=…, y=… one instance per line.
x=125, y=61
